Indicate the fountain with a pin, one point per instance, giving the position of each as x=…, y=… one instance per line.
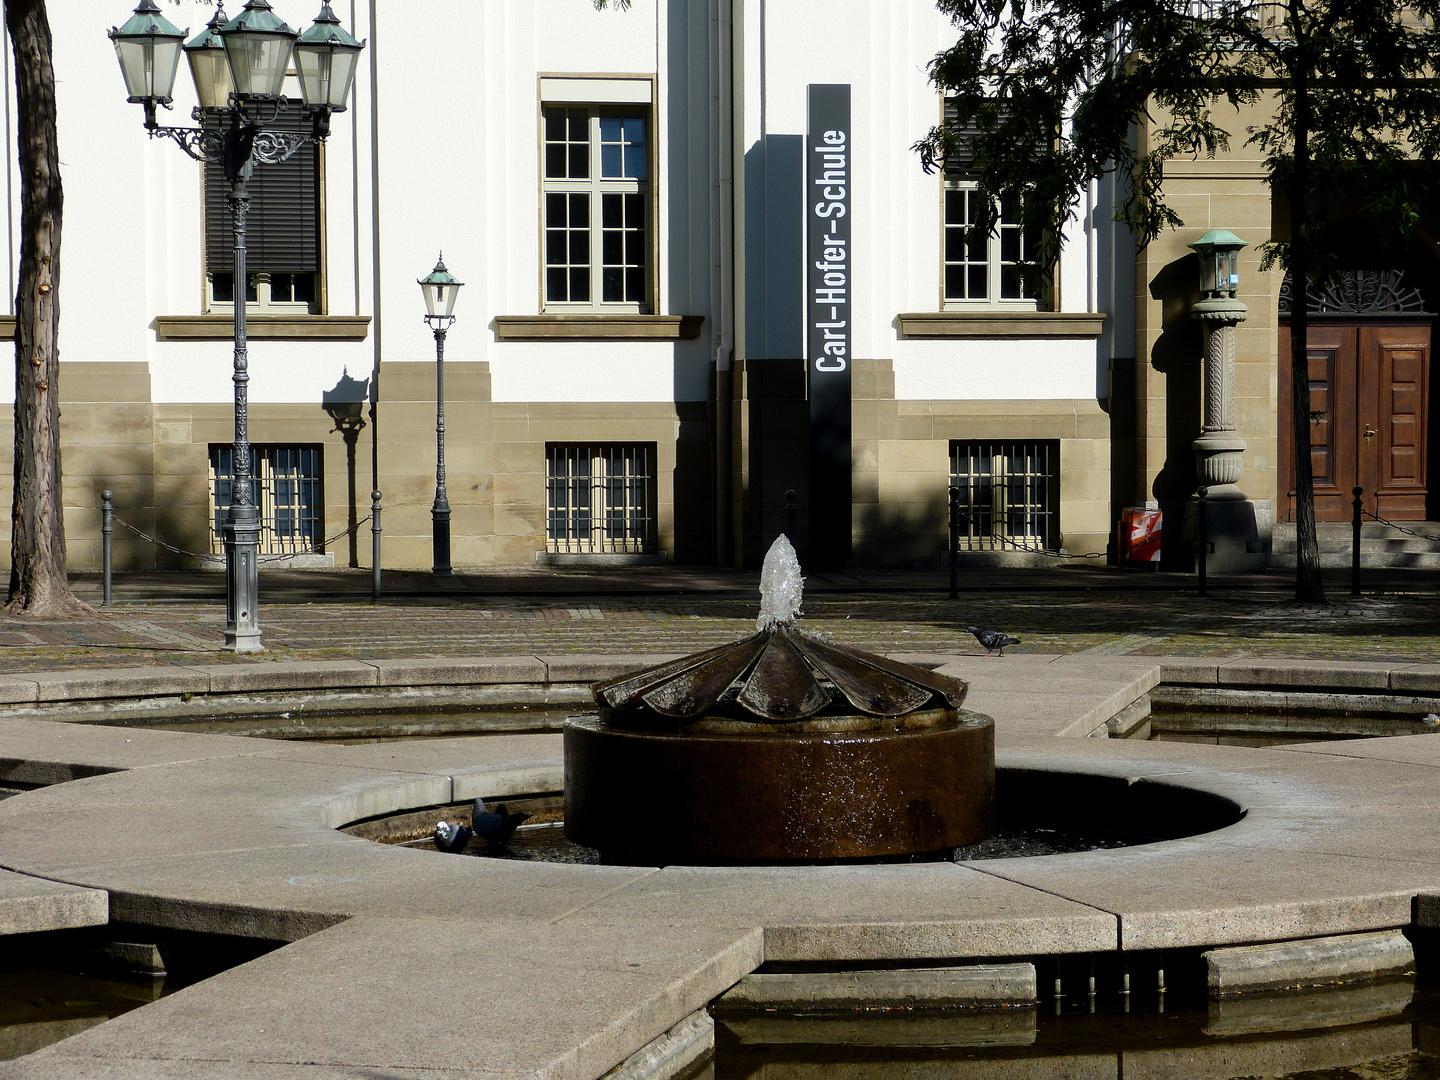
x=780, y=747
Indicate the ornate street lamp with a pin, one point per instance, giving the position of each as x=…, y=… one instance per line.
x=326, y=56
x=1219, y=448
x=239, y=68
x=441, y=289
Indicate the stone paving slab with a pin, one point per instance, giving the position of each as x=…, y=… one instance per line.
x=47, y=752
x=928, y=910
x=29, y=905
x=554, y=1002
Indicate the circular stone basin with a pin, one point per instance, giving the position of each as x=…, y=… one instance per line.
x=722, y=798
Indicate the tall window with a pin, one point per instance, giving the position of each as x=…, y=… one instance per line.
x=282, y=248
x=288, y=490
x=597, y=208
x=981, y=269
x=600, y=499
x=1008, y=494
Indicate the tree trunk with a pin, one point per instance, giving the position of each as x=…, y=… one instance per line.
x=1308, y=587
x=38, y=584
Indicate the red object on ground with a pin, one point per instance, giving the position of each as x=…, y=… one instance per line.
x=1140, y=532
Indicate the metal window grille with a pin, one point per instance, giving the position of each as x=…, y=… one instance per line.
x=289, y=490
x=1008, y=494
x=600, y=499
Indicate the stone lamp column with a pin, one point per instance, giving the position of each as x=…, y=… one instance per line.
x=1234, y=532
x=1219, y=448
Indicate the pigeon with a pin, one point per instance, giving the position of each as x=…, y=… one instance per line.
x=451, y=839
x=495, y=827
x=993, y=640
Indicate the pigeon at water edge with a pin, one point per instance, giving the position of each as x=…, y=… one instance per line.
x=993, y=640
x=494, y=828
x=451, y=839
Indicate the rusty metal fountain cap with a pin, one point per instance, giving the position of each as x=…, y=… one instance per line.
x=779, y=675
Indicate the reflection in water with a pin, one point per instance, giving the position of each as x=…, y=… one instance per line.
x=39, y=1007
x=1389, y=1031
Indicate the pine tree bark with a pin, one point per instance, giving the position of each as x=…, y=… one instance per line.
x=38, y=582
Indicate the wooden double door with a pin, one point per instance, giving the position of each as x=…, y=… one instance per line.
x=1369, y=408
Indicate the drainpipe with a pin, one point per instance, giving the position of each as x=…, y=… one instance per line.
x=723, y=291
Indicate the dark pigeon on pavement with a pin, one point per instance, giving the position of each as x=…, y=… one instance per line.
x=451, y=839
x=993, y=640
x=495, y=827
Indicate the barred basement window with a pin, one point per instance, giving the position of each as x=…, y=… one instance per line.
x=282, y=242
x=600, y=499
x=1008, y=494
x=289, y=490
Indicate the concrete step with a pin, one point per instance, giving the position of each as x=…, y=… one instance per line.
x=1380, y=544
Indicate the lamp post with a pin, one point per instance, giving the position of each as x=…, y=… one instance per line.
x=239, y=68
x=441, y=289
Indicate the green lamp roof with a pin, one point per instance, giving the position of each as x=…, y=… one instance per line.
x=146, y=21
x=209, y=38
x=328, y=31
x=259, y=17
x=440, y=276
x=1221, y=238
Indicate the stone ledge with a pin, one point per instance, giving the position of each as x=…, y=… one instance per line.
x=924, y=987
x=30, y=905
x=1289, y=965
x=1000, y=324
x=597, y=327
x=7, y=327
x=262, y=327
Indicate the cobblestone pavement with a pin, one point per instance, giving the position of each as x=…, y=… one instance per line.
x=179, y=618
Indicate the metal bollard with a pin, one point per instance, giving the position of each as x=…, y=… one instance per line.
x=790, y=515
x=1202, y=528
x=954, y=543
x=107, y=526
x=376, y=572
x=1355, y=543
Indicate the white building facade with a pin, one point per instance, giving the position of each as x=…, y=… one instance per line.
x=624, y=194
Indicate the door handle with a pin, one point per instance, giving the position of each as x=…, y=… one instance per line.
x=1370, y=433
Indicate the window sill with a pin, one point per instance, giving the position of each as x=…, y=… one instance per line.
x=597, y=327
x=1001, y=324
x=7, y=327
x=262, y=327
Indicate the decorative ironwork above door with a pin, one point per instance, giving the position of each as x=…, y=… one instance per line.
x=1357, y=292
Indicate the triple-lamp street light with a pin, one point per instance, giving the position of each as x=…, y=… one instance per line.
x=239, y=67
x=441, y=289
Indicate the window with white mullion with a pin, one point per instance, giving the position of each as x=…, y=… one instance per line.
x=984, y=270
x=596, y=209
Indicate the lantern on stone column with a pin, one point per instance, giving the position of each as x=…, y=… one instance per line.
x=1219, y=251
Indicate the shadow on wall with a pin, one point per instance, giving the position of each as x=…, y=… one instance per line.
x=1177, y=355
x=345, y=404
x=904, y=534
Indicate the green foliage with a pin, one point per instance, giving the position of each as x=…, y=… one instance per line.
x=1058, y=91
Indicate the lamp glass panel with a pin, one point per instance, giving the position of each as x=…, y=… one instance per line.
x=148, y=66
x=211, y=72
x=1232, y=271
x=1207, y=271
x=326, y=74
x=258, y=62
x=440, y=299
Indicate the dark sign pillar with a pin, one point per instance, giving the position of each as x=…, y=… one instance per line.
x=828, y=323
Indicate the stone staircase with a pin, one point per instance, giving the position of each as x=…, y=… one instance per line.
x=1380, y=545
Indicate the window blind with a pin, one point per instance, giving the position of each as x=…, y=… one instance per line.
x=283, y=226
